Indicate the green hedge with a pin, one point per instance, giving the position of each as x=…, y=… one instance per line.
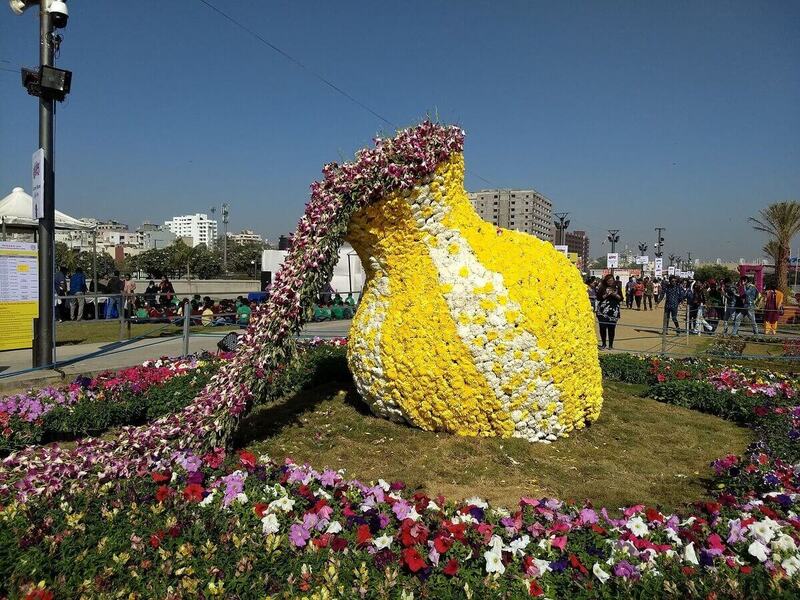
x=626, y=368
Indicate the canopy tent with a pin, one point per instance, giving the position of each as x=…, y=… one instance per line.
x=16, y=210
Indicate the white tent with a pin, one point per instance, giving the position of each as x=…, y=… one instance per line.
x=16, y=211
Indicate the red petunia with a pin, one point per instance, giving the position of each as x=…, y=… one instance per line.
x=155, y=541
x=260, y=508
x=322, y=541
x=214, y=458
x=163, y=492
x=338, y=544
x=193, y=492
x=746, y=569
x=442, y=543
x=413, y=560
x=39, y=594
x=451, y=568
x=412, y=532
x=161, y=477
x=653, y=515
x=248, y=459
x=535, y=589
x=363, y=534
x=576, y=564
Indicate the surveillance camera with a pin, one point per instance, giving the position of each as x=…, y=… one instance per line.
x=58, y=13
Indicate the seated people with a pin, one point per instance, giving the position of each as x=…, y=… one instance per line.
x=243, y=313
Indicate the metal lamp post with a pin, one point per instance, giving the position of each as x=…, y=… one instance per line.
x=49, y=84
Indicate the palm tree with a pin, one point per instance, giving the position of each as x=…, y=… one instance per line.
x=782, y=222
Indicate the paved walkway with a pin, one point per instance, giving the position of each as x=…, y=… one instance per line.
x=116, y=356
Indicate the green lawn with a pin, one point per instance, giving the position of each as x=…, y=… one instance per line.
x=638, y=451
x=85, y=332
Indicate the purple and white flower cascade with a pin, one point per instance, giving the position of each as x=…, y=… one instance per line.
x=394, y=164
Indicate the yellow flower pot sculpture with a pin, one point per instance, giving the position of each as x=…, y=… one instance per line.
x=467, y=328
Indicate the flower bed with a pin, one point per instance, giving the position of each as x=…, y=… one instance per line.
x=90, y=405
x=247, y=527
x=726, y=347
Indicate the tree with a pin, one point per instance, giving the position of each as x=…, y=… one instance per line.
x=105, y=264
x=65, y=256
x=716, y=272
x=781, y=221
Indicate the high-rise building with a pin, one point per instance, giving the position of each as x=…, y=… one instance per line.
x=523, y=210
x=198, y=227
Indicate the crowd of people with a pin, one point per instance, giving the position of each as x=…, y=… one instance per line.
x=158, y=303
x=334, y=308
x=713, y=306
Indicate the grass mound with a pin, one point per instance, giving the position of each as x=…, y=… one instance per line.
x=639, y=451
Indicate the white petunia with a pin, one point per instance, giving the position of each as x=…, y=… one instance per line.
x=600, y=573
x=784, y=543
x=494, y=556
x=383, y=542
x=284, y=504
x=477, y=502
x=208, y=499
x=758, y=550
x=241, y=498
x=764, y=530
x=791, y=565
x=689, y=554
x=334, y=527
x=270, y=524
x=518, y=546
x=637, y=526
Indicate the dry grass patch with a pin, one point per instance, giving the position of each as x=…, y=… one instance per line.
x=638, y=451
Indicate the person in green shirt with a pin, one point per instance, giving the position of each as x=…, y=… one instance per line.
x=142, y=314
x=243, y=312
x=350, y=301
x=337, y=311
x=337, y=300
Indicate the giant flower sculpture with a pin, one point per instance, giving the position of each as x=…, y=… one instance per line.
x=463, y=328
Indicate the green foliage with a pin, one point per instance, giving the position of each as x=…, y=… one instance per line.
x=626, y=368
x=717, y=272
x=702, y=396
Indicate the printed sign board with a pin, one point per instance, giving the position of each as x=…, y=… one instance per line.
x=19, y=293
x=563, y=249
x=642, y=260
x=612, y=260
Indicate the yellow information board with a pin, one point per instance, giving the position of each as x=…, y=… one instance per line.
x=19, y=294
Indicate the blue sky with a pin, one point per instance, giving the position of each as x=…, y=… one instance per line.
x=626, y=114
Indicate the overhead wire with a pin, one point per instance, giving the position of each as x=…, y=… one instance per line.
x=312, y=72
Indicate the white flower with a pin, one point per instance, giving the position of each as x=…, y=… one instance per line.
x=433, y=506
x=764, y=530
x=241, y=498
x=384, y=485
x=791, y=565
x=413, y=514
x=542, y=565
x=518, y=546
x=599, y=573
x=270, y=524
x=784, y=543
x=494, y=556
x=383, y=542
x=477, y=502
x=208, y=499
x=689, y=554
x=758, y=550
x=284, y=504
x=637, y=526
x=334, y=527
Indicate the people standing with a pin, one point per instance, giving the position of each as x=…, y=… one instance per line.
x=129, y=291
x=609, y=297
x=60, y=289
x=638, y=293
x=150, y=293
x=673, y=294
x=591, y=289
x=657, y=289
x=649, y=290
x=746, y=296
x=773, y=309
x=629, y=287
x=166, y=291
x=78, y=289
x=728, y=292
x=114, y=301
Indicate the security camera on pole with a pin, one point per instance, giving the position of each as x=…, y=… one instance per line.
x=49, y=84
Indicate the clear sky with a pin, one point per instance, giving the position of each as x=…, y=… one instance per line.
x=626, y=114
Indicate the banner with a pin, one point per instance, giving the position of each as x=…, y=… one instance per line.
x=643, y=260
x=659, y=266
x=612, y=260
x=19, y=293
x=563, y=249
x=671, y=270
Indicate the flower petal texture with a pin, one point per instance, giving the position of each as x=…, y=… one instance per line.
x=467, y=328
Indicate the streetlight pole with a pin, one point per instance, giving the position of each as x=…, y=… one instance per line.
x=613, y=237
x=659, y=240
x=45, y=334
x=561, y=226
x=225, y=237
